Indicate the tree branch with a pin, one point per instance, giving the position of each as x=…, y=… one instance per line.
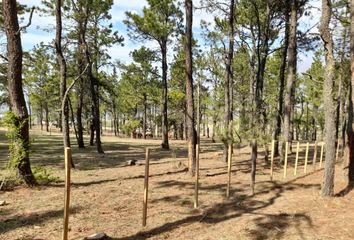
x=3, y=57
x=29, y=21
x=70, y=87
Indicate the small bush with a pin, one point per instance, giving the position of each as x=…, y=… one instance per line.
x=10, y=179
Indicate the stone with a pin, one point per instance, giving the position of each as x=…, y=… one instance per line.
x=131, y=162
x=2, y=202
x=97, y=236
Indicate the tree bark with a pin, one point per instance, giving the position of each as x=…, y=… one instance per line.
x=292, y=64
x=165, y=144
x=329, y=106
x=46, y=114
x=229, y=81
x=93, y=88
x=80, y=129
x=350, y=123
x=282, y=79
x=14, y=81
x=145, y=116
x=253, y=164
x=190, y=115
x=62, y=74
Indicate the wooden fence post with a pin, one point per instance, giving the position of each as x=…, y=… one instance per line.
x=286, y=158
x=229, y=159
x=321, y=156
x=306, y=156
x=272, y=161
x=146, y=185
x=314, y=157
x=67, y=154
x=297, y=157
x=196, y=176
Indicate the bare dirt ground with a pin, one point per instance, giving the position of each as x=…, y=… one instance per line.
x=107, y=196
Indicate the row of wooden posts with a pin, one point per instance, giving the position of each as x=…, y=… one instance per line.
x=229, y=166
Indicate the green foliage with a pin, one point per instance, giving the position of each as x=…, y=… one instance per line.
x=10, y=179
x=18, y=148
x=44, y=176
x=161, y=19
x=131, y=125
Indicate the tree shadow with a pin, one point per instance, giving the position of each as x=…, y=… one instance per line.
x=272, y=226
x=237, y=206
x=37, y=218
x=346, y=190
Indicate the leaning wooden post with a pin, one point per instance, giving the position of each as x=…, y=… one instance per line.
x=272, y=161
x=306, y=156
x=146, y=185
x=286, y=158
x=297, y=157
x=196, y=188
x=67, y=154
x=229, y=170
x=321, y=156
x=337, y=151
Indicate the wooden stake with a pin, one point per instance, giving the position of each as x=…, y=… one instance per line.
x=297, y=157
x=67, y=154
x=286, y=158
x=337, y=151
x=321, y=156
x=146, y=185
x=314, y=157
x=306, y=156
x=229, y=159
x=272, y=161
x=196, y=188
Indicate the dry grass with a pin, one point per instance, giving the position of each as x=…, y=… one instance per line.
x=107, y=196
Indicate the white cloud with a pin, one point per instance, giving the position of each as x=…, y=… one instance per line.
x=31, y=39
x=130, y=4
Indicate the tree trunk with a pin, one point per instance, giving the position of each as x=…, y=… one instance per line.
x=80, y=88
x=30, y=114
x=93, y=89
x=292, y=62
x=46, y=114
x=329, y=106
x=190, y=116
x=164, y=144
x=253, y=164
x=62, y=74
x=41, y=116
x=350, y=123
x=80, y=129
x=145, y=116
x=282, y=80
x=14, y=82
x=340, y=98
x=229, y=82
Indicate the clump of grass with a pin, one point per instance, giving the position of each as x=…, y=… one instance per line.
x=9, y=178
x=43, y=176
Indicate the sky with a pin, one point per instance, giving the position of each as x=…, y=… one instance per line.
x=42, y=28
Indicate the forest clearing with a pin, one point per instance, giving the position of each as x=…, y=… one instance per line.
x=107, y=196
x=176, y=119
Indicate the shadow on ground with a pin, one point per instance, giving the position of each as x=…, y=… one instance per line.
x=267, y=226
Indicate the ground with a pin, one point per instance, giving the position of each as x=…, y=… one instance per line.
x=107, y=196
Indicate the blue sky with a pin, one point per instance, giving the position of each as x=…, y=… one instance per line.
x=35, y=33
